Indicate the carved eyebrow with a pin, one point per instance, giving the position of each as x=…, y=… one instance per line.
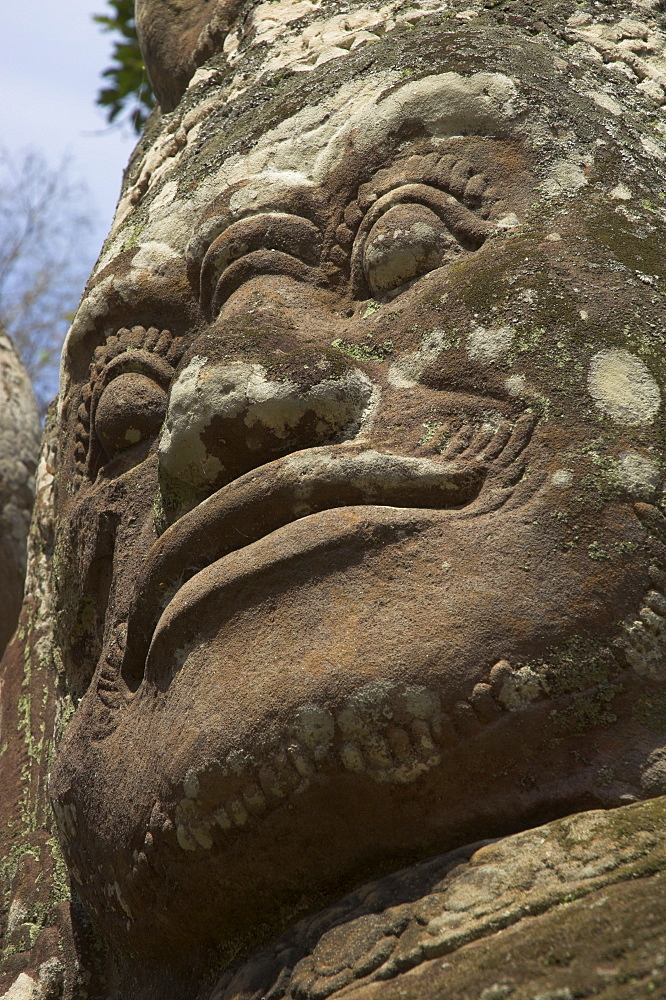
x=466, y=226
x=138, y=361
x=292, y=236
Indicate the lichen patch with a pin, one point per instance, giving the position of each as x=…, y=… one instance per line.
x=639, y=474
x=623, y=388
x=489, y=344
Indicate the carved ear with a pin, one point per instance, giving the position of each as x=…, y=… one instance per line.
x=179, y=36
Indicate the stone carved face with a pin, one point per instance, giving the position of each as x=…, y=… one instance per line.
x=358, y=545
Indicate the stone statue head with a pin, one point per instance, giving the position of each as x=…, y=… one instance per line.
x=19, y=443
x=359, y=550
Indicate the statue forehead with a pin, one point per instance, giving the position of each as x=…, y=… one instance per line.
x=172, y=192
x=295, y=157
x=305, y=149
x=178, y=37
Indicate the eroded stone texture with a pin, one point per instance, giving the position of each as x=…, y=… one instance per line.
x=38, y=955
x=19, y=443
x=359, y=540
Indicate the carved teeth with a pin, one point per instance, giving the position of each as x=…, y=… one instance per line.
x=314, y=726
x=653, y=622
x=498, y=675
x=399, y=742
x=483, y=703
x=184, y=839
x=254, y=799
x=238, y=812
x=351, y=725
x=521, y=687
x=393, y=735
x=422, y=737
x=351, y=757
x=300, y=760
x=420, y=703
x=465, y=719
x=657, y=602
x=378, y=754
x=287, y=776
x=221, y=817
x=442, y=729
x=191, y=784
x=324, y=759
x=270, y=783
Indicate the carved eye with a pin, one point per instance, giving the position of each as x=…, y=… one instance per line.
x=406, y=242
x=130, y=409
x=409, y=231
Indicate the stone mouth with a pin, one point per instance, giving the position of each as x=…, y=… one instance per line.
x=268, y=499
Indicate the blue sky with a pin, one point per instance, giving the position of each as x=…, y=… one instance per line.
x=51, y=57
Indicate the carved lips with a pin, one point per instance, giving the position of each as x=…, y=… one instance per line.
x=293, y=488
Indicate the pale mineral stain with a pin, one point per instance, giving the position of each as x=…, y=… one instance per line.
x=562, y=478
x=566, y=177
x=489, y=344
x=623, y=388
x=515, y=384
x=605, y=102
x=621, y=192
x=520, y=688
x=153, y=254
x=639, y=474
x=510, y=221
x=23, y=988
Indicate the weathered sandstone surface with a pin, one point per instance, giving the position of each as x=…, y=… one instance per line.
x=350, y=546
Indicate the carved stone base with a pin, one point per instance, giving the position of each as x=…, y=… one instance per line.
x=571, y=909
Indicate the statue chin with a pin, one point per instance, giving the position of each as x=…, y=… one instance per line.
x=330, y=702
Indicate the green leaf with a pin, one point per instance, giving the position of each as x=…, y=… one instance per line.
x=128, y=96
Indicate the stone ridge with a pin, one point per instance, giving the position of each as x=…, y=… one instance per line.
x=542, y=883
x=37, y=953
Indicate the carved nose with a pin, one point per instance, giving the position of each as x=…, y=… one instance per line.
x=225, y=419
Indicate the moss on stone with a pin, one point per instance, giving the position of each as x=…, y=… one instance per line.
x=649, y=710
x=175, y=498
x=370, y=351
x=588, y=710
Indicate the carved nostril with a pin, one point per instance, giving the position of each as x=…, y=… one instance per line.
x=225, y=419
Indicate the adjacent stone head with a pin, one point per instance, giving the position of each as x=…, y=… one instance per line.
x=360, y=551
x=19, y=442
x=178, y=37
